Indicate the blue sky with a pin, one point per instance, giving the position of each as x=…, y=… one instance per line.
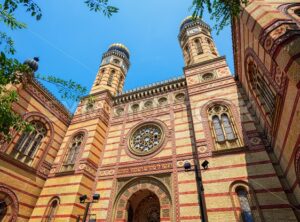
x=70, y=39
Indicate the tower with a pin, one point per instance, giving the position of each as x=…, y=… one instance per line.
x=113, y=70
x=84, y=142
x=196, y=41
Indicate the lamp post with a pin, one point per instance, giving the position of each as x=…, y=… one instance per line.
x=83, y=198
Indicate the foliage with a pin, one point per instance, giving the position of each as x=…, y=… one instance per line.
x=221, y=10
x=12, y=71
x=101, y=6
x=67, y=89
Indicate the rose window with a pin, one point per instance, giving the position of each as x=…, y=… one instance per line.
x=146, y=139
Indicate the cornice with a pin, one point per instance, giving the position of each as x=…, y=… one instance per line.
x=48, y=100
x=151, y=90
x=117, y=53
x=197, y=65
x=193, y=24
x=9, y=159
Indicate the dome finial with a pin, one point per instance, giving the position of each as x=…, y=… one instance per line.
x=189, y=20
x=119, y=47
x=33, y=63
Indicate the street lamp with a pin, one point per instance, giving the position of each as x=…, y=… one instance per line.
x=83, y=198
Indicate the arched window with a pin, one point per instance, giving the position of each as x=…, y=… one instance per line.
x=246, y=214
x=261, y=89
x=3, y=209
x=8, y=205
x=228, y=129
x=111, y=77
x=116, y=61
x=51, y=210
x=74, y=149
x=119, y=89
x=208, y=76
x=187, y=53
x=211, y=46
x=29, y=142
x=99, y=77
x=222, y=127
x=198, y=46
x=135, y=107
x=220, y=137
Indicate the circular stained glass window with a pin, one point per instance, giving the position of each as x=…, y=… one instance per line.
x=146, y=139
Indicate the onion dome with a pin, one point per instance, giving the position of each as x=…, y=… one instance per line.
x=33, y=63
x=119, y=47
x=192, y=21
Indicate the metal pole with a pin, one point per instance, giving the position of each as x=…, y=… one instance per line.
x=86, y=211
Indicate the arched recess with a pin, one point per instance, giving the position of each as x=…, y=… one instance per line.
x=51, y=209
x=9, y=204
x=235, y=115
x=46, y=143
x=251, y=199
x=151, y=184
x=267, y=99
x=68, y=167
x=292, y=10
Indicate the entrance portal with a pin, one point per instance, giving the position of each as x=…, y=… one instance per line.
x=143, y=206
x=145, y=199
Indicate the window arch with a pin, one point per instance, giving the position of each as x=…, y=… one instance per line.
x=207, y=76
x=51, y=210
x=111, y=77
x=120, y=83
x=211, y=46
x=99, y=77
x=73, y=150
x=29, y=142
x=9, y=205
x=222, y=127
x=292, y=10
x=246, y=214
x=245, y=202
x=262, y=90
x=198, y=46
x=187, y=53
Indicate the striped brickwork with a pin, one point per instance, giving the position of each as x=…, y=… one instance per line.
x=118, y=163
x=69, y=184
x=264, y=158
x=268, y=31
x=249, y=164
x=26, y=180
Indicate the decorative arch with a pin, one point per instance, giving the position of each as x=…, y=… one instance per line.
x=263, y=88
x=68, y=167
x=51, y=209
x=151, y=184
x=13, y=202
x=292, y=10
x=43, y=149
x=275, y=78
x=234, y=189
x=235, y=117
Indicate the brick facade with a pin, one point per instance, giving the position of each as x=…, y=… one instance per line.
x=258, y=156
